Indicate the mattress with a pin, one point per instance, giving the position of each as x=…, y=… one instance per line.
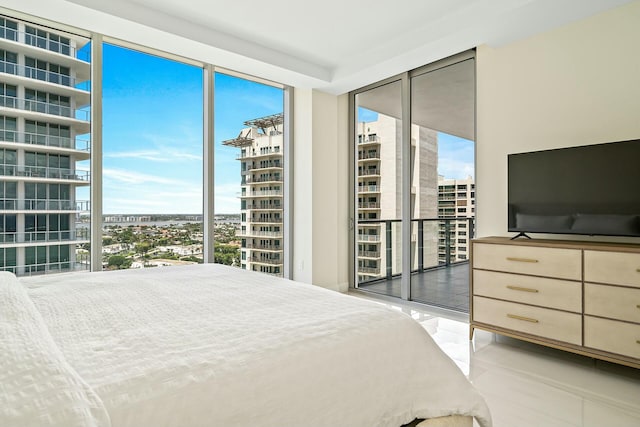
x=212, y=345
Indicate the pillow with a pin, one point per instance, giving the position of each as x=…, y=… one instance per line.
x=612, y=225
x=38, y=388
x=544, y=223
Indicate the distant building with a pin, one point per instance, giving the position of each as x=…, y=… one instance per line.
x=456, y=199
x=261, y=194
x=43, y=88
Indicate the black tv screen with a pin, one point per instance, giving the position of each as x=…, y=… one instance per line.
x=592, y=190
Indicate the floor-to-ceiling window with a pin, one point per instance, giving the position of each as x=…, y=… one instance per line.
x=437, y=179
x=152, y=160
x=249, y=174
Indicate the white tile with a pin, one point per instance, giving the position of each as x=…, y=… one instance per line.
x=527, y=385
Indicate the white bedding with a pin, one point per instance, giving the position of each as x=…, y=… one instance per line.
x=211, y=345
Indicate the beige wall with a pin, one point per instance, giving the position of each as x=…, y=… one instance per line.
x=320, y=194
x=576, y=85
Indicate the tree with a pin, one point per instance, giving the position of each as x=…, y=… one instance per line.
x=119, y=262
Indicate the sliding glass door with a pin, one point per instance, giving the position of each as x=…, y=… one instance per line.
x=414, y=192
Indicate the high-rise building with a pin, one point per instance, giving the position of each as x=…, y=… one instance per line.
x=261, y=194
x=44, y=86
x=456, y=199
x=380, y=195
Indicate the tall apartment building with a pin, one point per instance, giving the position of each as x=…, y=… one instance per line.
x=261, y=194
x=379, y=241
x=456, y=199
x=43, y=86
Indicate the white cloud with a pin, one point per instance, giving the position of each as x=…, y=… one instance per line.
x=129, y=177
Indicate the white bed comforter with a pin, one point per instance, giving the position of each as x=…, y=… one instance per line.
x=211, y=345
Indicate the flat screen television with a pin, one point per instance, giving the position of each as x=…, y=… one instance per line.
x=589, y=190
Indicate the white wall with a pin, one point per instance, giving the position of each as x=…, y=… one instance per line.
x=576, y=85
x=320, y=194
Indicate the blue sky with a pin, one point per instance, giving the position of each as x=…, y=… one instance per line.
x=152, y=133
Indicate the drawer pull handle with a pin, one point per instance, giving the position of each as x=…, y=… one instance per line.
x=638, y=270
x=510, y=258
x=637, y=341
x=519, y=288
x=526, y=319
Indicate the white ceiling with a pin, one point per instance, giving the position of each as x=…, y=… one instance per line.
x=332, y=45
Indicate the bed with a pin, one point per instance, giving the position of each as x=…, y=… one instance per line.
x=211, y=345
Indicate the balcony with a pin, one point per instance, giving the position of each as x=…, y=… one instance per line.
x=43, y=75
x=368, y=238
x=369, y=156
x=261, y=207
x=369, y=140
x=265, y=220
x=368, y=270
x=262, y=247
x=263, y=193
x=262, y=153
x=44, y=205
x=368, y=189
x=368, y=172
x=44, y=172
x=269, y=261
x=250, y=233
x=440, y=272
x=43, y=107
x=368, y=205
x=262, y=179
x=46, y=140
x=37, y=237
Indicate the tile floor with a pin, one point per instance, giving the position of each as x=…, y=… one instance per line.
x=527, y=385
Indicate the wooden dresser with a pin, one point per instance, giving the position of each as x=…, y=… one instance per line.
x=576, y=296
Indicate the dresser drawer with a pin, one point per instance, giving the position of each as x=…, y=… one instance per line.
x=551, y=262
x=617, y=268
x=612, y=336
x=543, y=322
x=612, y=301
x=552, y=293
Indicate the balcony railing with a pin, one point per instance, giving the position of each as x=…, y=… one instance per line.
x=267, y=152
x=44, y=236
x=43, y=75
x=46, y=140
x=44, y=205
x=263, y=247
x=261, y=179
x=368, y=172
x=262, y=207
x=266, y=220
x=368, y=189
x=434, y=241
x=43, y=107
x=369, y=270
x=43, y=172
x=271, y=261
x=369, y=205
x=250, y=233
x=366, y=156
x=370, y=140
x=46, y=268
x=38, y=41
x=263, y=193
